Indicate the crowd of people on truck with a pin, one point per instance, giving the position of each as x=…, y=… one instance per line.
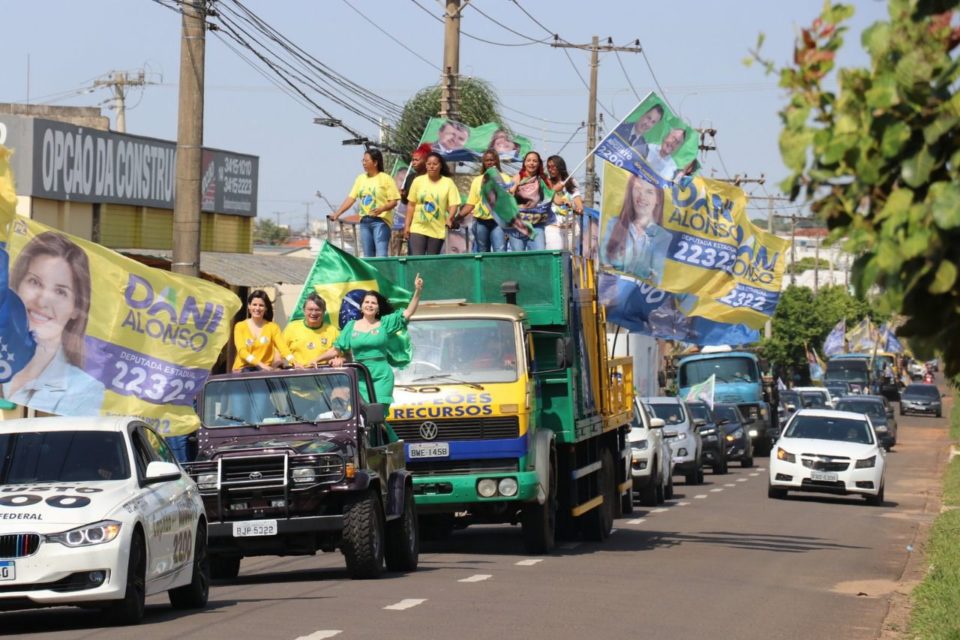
x=423, y=205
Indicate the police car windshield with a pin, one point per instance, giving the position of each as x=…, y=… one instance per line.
x=63, y=456
x=461, y=351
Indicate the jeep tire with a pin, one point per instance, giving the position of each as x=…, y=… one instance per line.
x=363, y=536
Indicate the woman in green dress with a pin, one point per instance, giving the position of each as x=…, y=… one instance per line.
x=366, y=339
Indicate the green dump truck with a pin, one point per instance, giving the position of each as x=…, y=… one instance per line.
x=512, y=410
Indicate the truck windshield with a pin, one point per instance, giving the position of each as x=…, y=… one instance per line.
x=254, y=400
x=847, y=370
x=63, y=456
x=732, y=369
x=469, y=350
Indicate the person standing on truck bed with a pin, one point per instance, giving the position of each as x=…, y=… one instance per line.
x=309, y=337
x=366, y=340
x=258, y=339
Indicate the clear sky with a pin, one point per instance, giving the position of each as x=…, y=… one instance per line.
x=694, y=48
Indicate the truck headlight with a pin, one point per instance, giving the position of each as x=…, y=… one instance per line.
x=487, y=488
x=507, y=487
x=87, y=535
x=207, y=481
x=304, y=474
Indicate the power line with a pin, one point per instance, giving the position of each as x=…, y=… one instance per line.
x=389, y=35
x=653, y=75
x=513, y=31
x=573, y=124
x=627, y=76
x=537, y=22
x=477, y=38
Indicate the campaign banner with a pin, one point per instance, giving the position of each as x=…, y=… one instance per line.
x=835, y=341
x=652, y=142
x=641, y=308
x=133, y=340
x=692, y=236
x=456, y=142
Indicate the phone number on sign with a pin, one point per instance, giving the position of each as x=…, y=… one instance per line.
x=149, y=385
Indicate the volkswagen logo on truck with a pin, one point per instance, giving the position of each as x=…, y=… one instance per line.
x=428, y=430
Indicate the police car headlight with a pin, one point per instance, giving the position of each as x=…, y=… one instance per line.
x=87, y=535
x=207, y=481
x=507, y=487
x=304, y=474
x=487, y=488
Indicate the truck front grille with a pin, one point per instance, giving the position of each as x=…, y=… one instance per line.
x=460, y=429
x=454, y=467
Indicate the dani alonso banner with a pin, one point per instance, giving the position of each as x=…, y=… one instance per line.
x=133, y=340
x=692, y=237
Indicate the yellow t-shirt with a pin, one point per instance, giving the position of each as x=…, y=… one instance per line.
x=263, y=348
x=432, y=202
x=307, y=344
x=375, y=192
x=480, y=210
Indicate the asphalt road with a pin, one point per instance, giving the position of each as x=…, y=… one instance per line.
x=721, y=559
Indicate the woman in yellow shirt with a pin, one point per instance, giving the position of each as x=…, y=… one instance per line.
x=310, y=337
x=487, y=233
x=377, y=195
x=259, y=341
x=435, y=200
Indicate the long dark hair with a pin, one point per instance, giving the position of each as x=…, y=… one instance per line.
x=444, y=169
x=377, y=157
x=523, y=169
x=384, y=308
x=260, y=293
x=621, y=229
x=569, y=185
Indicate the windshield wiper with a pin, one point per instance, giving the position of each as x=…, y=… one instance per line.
x=295, y=416
x=455, y=380
x=242, y=422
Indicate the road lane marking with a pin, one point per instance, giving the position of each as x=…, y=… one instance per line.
x=320, y=635
x=741, y=479
x=682, y=504
x=754, y=475
x=637, y=521
x=529, y=562
x=700, y=497
x=406, y=603
x=760, y=469
x=612, y=531
x=715, y=490
x=480, y=577
x=730, y=484
x=659, y=510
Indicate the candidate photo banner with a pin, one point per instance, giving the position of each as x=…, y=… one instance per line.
x=692, y=236
x=114, y=336
x=455, y=141
x=651, y=142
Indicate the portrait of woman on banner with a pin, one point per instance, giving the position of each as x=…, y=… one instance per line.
x=634, y=241
x=52, y=277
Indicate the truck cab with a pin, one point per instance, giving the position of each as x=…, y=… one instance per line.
x=294, y=462
x=852, y=368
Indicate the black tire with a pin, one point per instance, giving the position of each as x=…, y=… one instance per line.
x=775, y=493
x=436, y=527
x=877, y=500
x=403, y=538
x=661, y=491
x=195, y=594
x=718, y=469
x=539, y=521
x=626, y=502
x=902, y=412
x=648, y=495
x=224, y=567
x=129, y=610
x=598, y=522
x=363, y=536
x=746, y=462
x=668, y=492
x=690, y=478
x=939, y=413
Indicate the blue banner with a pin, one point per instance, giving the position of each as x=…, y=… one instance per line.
x=17, y=345
x=834, y=342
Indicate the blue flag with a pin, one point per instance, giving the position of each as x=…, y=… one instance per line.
x=17, y=345
x=834, y=342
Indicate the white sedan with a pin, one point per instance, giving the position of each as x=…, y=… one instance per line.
x=825, y=451
x=96, y=512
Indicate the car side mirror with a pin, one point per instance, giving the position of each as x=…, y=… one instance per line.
x=374, y=413
x=699, y=422
x=158, y=471
x=657, y=423
x=722, y=422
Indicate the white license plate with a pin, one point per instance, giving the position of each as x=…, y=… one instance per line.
x=823, y=476
x=676, y=459
x=8, y=570
x=429, y=450
x=251, y=528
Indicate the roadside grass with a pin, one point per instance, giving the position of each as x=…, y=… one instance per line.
x=951, y=484
x=955, y=412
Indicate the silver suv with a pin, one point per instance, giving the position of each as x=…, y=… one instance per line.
x=682, y=435
x=651, y=460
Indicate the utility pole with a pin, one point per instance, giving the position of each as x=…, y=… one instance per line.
x=186, y=206
x=307, y=228
x=816, y=267
x=119, y=81
x=594, y=48
x=450, y=95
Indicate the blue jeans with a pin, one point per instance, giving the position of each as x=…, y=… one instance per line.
x=519, y=242
x=374, y=236
x=488, y=236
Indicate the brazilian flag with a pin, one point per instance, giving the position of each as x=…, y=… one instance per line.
x=342, y=280
x=502, y=204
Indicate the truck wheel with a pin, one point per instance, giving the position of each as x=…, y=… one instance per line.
x=363, y=537
x=746, y=462
x=195, y=594
x=648, y=497
x=540, y=520
x=224, y=567
x=403, y=538
x=130, y=609
x=599, y=520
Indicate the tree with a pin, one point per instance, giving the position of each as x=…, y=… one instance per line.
x=806, y=264
x=878, y=158
x=266, y=232
x=478, y=105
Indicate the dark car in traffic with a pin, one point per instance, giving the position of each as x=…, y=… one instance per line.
x=714, y=449
x=736, y=433
x=921, y=398
x=880, y=413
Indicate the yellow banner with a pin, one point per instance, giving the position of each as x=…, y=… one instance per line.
x=114, y=336
x=693, y=236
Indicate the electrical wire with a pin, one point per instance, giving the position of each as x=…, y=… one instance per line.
x=569, y=140
x=627, y=76
x=533, y=117
x=663, y=94
x=477, y=38
x=513, y=31
x=389, y=35
x=537, y=22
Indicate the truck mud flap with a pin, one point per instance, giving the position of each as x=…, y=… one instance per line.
x=400, y=482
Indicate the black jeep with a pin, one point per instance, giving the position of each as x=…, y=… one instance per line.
x=293, y=462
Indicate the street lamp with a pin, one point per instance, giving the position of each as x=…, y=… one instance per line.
x=328, y=122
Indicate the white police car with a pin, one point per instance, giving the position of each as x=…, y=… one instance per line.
x=96, y=512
